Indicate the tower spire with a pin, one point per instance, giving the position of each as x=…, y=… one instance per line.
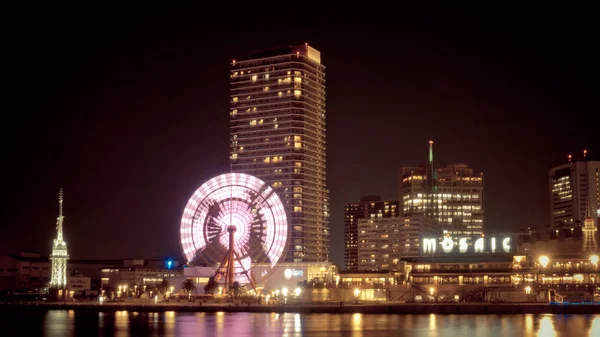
x=431, y=151
x=59, y=256
x=59, y=222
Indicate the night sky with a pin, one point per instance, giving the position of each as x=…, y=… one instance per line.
x=127, y=110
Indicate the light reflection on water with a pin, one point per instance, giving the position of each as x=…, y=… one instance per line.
x=220, y=324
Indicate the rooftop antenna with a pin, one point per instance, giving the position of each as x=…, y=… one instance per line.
x=584, y=153
x=569, y=157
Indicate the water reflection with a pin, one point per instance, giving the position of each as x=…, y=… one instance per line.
x=59, y=323
x=220, y=324
x=122, y=323
x=595, y=327
x=169, y=323
x=432, y=322
x=546, y=327
x=357, y=325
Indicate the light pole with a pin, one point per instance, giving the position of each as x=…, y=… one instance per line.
x=284, y=292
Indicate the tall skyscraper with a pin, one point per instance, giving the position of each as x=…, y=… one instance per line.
x=369, y=207
x=450, y=198
x=574, y=190
x=59, y=256
x=277, y=133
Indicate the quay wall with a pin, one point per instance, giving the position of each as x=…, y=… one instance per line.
x=435, y=308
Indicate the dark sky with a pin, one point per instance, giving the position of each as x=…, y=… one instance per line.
x=127, y=110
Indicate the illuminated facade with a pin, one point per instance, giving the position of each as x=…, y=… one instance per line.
x=60, y=256
x=590, y=233
x=574, y=189
x=369, y=207
x=277, y=133
x=382, y=242
x=245, y=204
x=450, y=198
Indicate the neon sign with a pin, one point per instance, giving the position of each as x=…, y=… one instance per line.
x=481, y=245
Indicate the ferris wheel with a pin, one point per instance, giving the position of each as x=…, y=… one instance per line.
x=231, y=223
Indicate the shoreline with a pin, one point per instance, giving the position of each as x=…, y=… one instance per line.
x=436, y=308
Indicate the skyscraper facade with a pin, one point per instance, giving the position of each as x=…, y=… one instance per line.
x=277, y=133
x=369, y=207
x=574, y=190
x=450, y=198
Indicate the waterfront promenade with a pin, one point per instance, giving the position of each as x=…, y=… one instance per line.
x=365, y=308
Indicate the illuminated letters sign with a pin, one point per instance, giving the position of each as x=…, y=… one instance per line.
x=289, y=273
x=480, y=245
x=429, y=246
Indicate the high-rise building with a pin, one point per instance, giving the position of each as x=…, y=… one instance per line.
x=574, y=190
x=60, y=256
x=369, y=207
x=450, y=198
x=277, y=133
x=383, y=242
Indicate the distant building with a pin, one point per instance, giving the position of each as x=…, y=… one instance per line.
x=369, y=207
x=574, y=190
x=277, y=133
x=451, y=198
x=383, y=242
x=24, y=272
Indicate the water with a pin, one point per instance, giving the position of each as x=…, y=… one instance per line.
x=122, y=323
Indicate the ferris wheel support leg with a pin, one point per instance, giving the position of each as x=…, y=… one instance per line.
x=248, y=276
x=220, y=271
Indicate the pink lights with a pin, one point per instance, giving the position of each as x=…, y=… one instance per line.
x=242, y=201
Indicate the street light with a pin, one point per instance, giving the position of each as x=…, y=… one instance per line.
x=356, y=293
x=528, y=290
x=544, y=260
x=284, y=292
x=297, y=291
x=594, y=260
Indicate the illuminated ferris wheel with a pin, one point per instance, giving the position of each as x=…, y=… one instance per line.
x=232, y=222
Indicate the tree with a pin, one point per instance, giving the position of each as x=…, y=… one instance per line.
x=211, y=286
x=189, y=286
x=163, y=287
x=235, y=289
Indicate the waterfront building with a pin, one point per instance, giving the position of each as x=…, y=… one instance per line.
x=277, y=133
x=451, y=197
x=369, y=207
x=137, y=273
x=574, y=190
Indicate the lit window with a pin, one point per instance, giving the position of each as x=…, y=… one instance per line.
x=253, y=78
x=298, y=80
x=253, y=122
x=280, y=94
x=297, y=93
x=235, y=99
x=297, y=142
x=265, y=89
